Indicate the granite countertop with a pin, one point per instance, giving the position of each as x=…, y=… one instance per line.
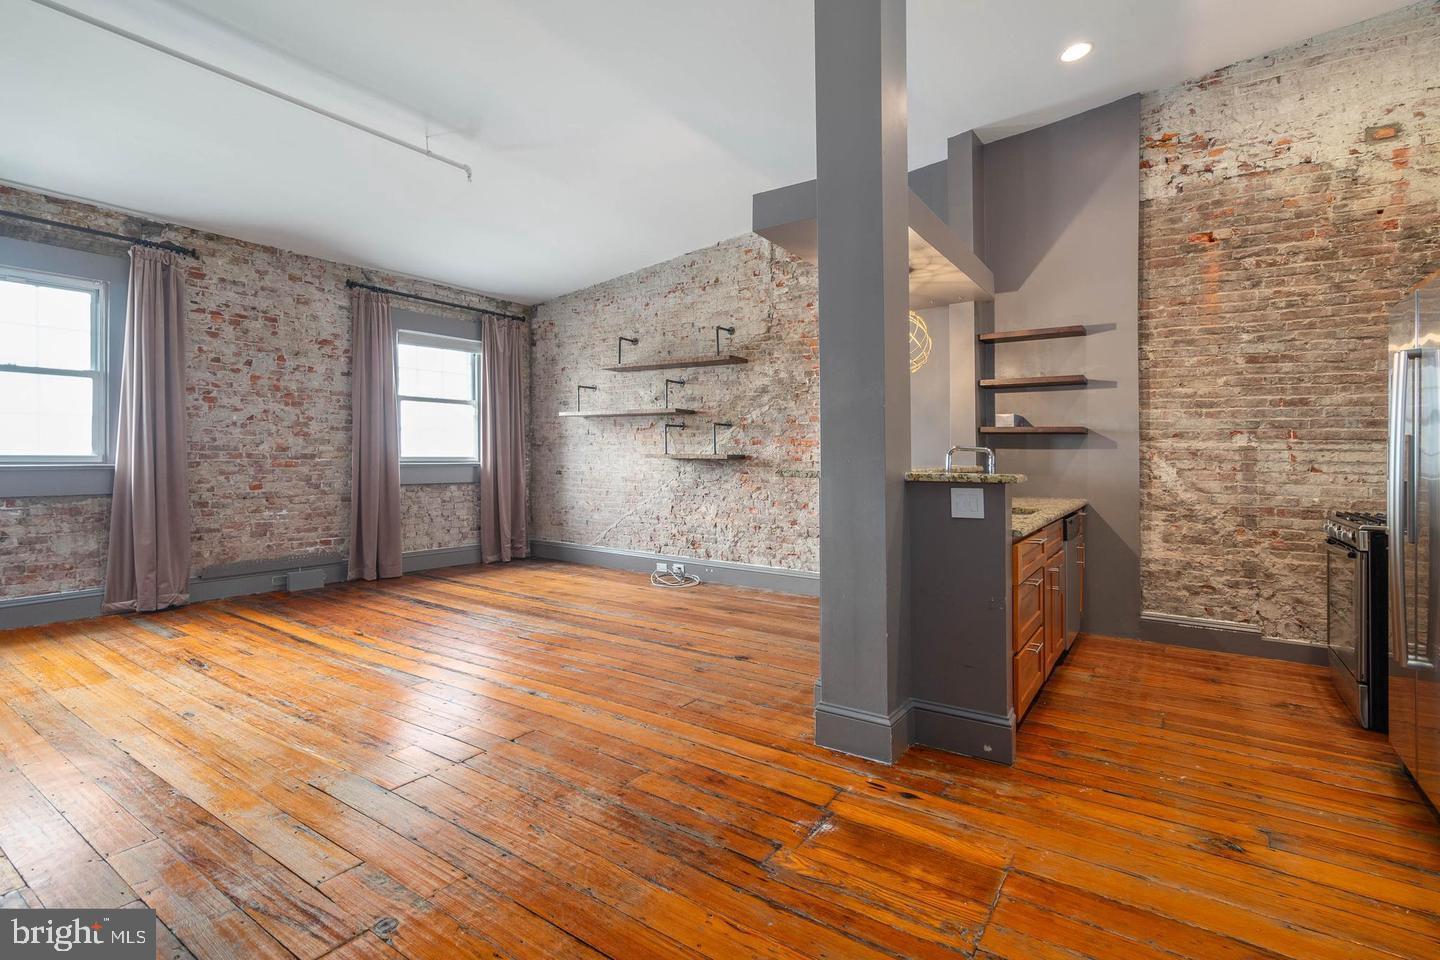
x=961, y=475
x=1028, y=514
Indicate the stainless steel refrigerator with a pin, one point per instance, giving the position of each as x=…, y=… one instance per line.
x=1412, y=495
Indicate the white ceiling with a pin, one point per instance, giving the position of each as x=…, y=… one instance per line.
x=604, y=136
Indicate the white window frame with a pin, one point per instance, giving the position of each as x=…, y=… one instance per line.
x=98, y=374
x=420, y=338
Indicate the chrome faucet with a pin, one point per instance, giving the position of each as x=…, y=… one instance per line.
x=989, y=457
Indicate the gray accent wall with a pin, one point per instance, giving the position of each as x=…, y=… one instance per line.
x=930, y=388
x=963, y=373
x=1061, y=213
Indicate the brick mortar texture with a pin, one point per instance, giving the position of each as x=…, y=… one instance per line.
x=1287, y=203
x=267, y=412
x=607, y=483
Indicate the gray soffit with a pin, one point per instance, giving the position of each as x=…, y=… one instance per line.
x=943, y=269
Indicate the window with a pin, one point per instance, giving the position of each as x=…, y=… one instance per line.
x=438, y=380
x=53, y=365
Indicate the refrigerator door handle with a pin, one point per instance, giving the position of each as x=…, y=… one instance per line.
x=1412, y=447
x=1395, y=497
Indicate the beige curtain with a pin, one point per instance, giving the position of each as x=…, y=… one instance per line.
x=375, y=448
x=503, y=492
x=149, y=561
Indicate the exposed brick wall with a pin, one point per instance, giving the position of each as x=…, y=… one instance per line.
x=434, y=516
x=268, y=412
x=1287, y=203
x=606, y=482
x=52, y=544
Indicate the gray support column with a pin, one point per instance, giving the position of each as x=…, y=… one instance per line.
x=964, y=191
x=965, y=194
x=862, y=190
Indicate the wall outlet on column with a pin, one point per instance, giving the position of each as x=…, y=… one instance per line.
x=967, y=503
x=662, y=568
x=678, y=569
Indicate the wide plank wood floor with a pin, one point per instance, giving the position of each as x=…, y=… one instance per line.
x=545, y=760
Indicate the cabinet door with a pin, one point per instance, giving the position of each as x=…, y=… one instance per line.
x=1029, y=673
x=1029, y=606
x=1054, y=611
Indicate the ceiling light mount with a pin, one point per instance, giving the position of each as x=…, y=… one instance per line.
x=1076, y=51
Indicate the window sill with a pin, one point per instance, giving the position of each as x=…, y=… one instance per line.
x=56, y=479
x=418, y=472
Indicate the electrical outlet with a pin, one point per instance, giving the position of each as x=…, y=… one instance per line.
x=662, y=568
x=967, y=503
x=678, y=569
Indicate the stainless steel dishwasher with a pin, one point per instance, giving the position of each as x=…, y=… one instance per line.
x=1074, y=575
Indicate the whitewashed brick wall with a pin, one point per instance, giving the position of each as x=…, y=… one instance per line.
x=607, y=483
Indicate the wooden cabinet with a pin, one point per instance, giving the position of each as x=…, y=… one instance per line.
x=1029, y=672
x=1030, y=552
x=1042, y=586
x=1029, y=606
x=1054, y=609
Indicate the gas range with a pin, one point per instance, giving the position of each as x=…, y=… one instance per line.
x=1353, y=528
x=1356, y=611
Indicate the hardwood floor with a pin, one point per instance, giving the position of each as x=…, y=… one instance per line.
x=545, y=760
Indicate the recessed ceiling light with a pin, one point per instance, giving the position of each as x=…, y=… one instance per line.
x=1075, y=52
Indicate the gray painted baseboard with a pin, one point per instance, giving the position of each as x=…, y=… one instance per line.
x=1225, y=636
x=218, y=583
x=970, y=733
x=874, y=736
x=917, y=723
x=50, y=608
x=801, y=582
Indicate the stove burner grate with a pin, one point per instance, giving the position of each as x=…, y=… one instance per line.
x=1360, y=518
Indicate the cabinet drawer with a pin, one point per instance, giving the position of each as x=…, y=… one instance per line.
x=1032, y=551
x=1029, y=673
x=1028, y=606
x=1056, y=545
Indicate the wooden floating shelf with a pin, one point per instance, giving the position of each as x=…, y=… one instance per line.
x=1025, y=383
x=1032, y=333
x=708, y=456
x=678, y=363
x=665, y=412
x=1033, y=430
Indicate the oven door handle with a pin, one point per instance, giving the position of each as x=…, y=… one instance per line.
x=1334, y=547
x=1358, y=583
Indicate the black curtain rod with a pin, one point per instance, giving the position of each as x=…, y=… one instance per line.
x=141, y=241
x=438, y=302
